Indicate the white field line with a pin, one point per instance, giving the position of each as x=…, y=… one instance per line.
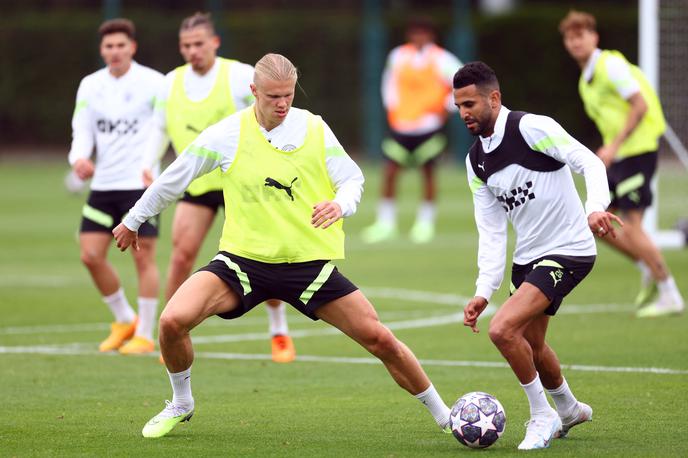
x=406, y=324
x=401, y=294
x=75, y=351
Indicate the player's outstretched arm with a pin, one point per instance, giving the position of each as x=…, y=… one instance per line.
x=125, y=237
x=600, y=223
x=472, y=311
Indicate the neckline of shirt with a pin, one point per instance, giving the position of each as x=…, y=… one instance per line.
x=493, y=141
x=118, y=79
x=589, y=68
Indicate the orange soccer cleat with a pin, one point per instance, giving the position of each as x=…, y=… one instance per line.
x=136, y=346
x=283, y=349
x=119, y=333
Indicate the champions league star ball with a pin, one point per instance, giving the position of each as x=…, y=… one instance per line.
x=477, y=419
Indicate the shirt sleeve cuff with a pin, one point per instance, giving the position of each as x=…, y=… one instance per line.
x=484, y=291
x=343, y=204
x=591, y=207
x=130, y=222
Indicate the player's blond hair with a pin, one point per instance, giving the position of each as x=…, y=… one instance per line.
x=275, y=67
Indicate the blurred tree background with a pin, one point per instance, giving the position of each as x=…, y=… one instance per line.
x=47, y=46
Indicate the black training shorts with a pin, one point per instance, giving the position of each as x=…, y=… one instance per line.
x=105, y=209
x=304, y=285
x=210, y=199
x=629, y=181
x=554, y=275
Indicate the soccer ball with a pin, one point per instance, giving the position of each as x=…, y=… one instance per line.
x=477, y=419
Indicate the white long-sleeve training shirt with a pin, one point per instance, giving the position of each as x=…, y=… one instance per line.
x=114, y=116
x=197, y=87
x=553, y=221
x=223, y=138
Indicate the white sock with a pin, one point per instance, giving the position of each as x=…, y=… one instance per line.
x=536, y=397
x=426, y=212
x=563, y=399
x=181, y=389
x=277, y=316
x=120, y=306
x=387, y=211
x=668, y=291
x=434, y=403
x=148, y=306
x=645, y=273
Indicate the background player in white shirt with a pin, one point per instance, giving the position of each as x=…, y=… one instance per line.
x=517, y=172
x=113, y=115
x=193, y=97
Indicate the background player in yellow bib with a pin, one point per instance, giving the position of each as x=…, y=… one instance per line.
x=416, y=92
x=113, y=118
x=624, y=106
x=288, y=182
x=196, y=95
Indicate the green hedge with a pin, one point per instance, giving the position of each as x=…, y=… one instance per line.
x=44, y=56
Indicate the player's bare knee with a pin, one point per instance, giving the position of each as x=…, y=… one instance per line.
x=91, y=259
x=170, y=325
x=182, y=259
x=382, y=343
x=500, y=334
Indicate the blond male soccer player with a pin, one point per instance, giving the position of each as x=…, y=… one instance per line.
x=517, y=172
x=113, y=119
x=416, y=92
x=196, y=95
x=627, y=112
x=288, y=182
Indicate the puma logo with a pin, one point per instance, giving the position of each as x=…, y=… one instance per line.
x=482, y=166
x=556, y=276
x=276, y=184
x=192, y=129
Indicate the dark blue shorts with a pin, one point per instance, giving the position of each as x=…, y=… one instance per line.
x=629, y=181
x=105, y=209
x=212, y=199
x=554, y=275
x=304, y=285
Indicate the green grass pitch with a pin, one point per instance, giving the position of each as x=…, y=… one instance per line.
x=60, y=397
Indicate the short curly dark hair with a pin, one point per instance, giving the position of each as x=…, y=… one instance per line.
x=478, y=73
x=119, y=25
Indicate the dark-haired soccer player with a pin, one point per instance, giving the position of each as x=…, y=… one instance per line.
x=628, y=114
x=517, y=172
x=113, y=117
x=205, y=90
x=289, y=182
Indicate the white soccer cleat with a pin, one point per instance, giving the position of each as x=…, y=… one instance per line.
x=165, y=421
x=540, y=430
x=580, y=414
x=662, y=307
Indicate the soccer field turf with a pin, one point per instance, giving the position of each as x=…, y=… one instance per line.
x=60, y=397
